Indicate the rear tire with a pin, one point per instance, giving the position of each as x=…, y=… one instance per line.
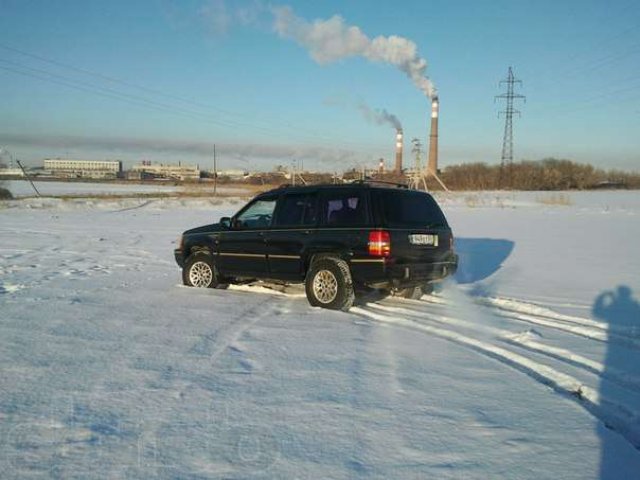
x=328, y=284
x=427, y=288
x=200, y=271
x=414, y=293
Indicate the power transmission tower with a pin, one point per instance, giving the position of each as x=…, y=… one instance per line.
x=418, y=175
x=507, y=142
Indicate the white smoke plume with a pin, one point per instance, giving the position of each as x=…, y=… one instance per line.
x=332, y=40
x=379, y=117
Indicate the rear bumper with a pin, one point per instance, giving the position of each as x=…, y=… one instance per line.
x=393, y=275
x=419, y=273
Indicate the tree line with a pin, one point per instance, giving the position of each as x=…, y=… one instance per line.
x=547, y=174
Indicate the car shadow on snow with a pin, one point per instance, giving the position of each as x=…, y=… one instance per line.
x=621, y=311
x=480, y=258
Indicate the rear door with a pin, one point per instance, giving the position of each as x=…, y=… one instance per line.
x=345, y=221
x=419, y=230
x=294, y=224
x=242, y=250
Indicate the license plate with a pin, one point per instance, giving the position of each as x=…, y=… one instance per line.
x=422, y=239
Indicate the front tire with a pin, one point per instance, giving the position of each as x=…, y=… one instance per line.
x=200, y=271
x=328, y=284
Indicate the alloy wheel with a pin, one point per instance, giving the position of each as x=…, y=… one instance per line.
x=200, y=274
x=325, y=286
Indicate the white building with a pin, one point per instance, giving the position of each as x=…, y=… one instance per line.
x=11, y=172
x=178, y=172
x=233, y=174
x=83, y=168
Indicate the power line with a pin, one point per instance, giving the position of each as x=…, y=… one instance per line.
x=266, y=130
x=126, y=83
x=156, y=106
x=111, y=79
x=82, y=86
x=149, y=104
x=612, y=96
x=578, y=60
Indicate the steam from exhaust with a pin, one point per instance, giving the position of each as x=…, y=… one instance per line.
x=332, y=40
x=379, y=117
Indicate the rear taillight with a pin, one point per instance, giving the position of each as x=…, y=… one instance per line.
x=379, y=243
x=451, y=242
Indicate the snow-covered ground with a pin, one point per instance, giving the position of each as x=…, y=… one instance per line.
x=526, y=366
x=22, y=188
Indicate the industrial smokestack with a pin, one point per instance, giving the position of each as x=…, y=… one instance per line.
x=432, y=166
x=399, y=142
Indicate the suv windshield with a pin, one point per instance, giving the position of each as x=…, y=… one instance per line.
x=410, y=209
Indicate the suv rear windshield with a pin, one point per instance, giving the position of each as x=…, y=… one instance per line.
x=410, y=209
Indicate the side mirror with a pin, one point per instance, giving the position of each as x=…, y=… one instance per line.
x=225, y=222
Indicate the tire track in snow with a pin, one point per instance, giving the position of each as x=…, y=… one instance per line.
x=618, y=417
x=220, y=340
x=134, y=207
x=518, y=306
x=582, y=331
x=524, y=341
x=586, y=328
x=216, y=343
x=528, y=309
x=244, y=322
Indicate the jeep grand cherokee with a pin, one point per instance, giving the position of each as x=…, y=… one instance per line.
x=337, y=239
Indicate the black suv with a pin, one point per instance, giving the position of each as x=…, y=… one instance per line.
x=337, y=239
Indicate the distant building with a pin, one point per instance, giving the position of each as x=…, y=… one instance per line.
x=11, y=172
x=179, y=172
x=102, y=169
x=232, y=174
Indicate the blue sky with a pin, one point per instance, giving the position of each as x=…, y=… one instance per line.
x=216, y=72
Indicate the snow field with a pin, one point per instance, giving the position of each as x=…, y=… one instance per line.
x=22, y=188
x=110, y=368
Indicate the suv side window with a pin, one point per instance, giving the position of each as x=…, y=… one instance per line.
x=297, y=209
x=257, y=215
x=344, y=208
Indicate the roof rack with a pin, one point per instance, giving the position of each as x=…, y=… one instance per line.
x=383, y=182
x=365, y=182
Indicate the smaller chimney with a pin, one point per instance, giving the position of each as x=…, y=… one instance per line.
x=399, y=142
x=432, y=166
